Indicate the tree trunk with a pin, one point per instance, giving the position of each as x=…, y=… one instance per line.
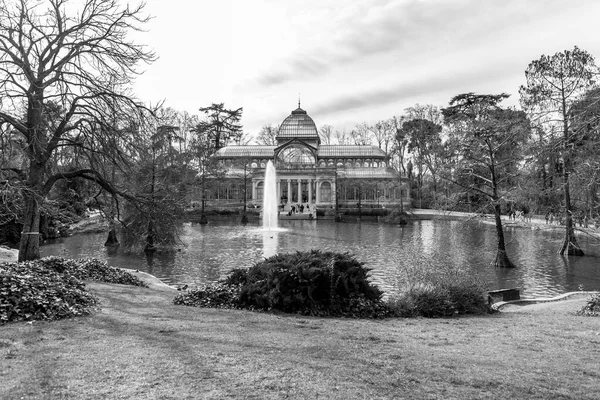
x=502, y=260
x=570, y=245
x=150, y=238
x=29, y=247
x=111, y=240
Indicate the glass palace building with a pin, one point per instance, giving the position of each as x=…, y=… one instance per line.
x=309, y=174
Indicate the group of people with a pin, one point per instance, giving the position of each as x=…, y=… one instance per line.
x=581, y=218
x=299, y=208
x=514, y=214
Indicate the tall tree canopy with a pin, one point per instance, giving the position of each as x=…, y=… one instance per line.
x=553, y=84
x=74, y=54
x=221, y=125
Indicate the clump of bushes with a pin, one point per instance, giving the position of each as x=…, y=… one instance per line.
x=434, y=290
x=332, y=284
x=309, y=283
x=52, y=288
x=592, y=308
x=439, y=299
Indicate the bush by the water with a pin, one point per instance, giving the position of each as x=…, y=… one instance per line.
x=439, y=299
x=592, y=308
x=333, y=284
x=430, y=289
x=52, y=288
x=91, y=269
x=309, y=283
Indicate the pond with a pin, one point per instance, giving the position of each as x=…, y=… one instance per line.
x=210, y=251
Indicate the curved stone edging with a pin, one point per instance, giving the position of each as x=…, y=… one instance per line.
x=156, y=280
x=497, y=306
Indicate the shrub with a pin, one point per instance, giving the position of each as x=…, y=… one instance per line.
x=395, y=216
x=437, y=290
x=237, y=276
x=29, y=291
x=309, y=283
x=438, y=299
x=592, y=308
x=333, y=284
x=91, y=269
x=52, y=288
x=313, y=283
x=215, y=295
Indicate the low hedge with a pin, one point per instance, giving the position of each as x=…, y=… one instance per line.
x=52, y=288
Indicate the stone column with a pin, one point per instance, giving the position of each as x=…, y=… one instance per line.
x=278, y=191
x=289, y=199
x=318, y=191
x=299, y=191
x=253, y=190
x=333, y=192
x=310, y=182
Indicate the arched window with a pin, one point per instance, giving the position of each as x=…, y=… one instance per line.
x=325, y=192
x=260, y=190
x=296, y=155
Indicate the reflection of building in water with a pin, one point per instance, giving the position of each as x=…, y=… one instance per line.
x=309, y=173
x=426, y=235
x=270, y=243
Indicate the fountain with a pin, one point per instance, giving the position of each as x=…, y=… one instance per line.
x=270, y=203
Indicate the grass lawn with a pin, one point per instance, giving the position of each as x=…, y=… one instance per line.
x=140, y=346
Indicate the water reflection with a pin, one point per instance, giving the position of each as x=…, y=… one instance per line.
x=394, y=253
x=270, y=239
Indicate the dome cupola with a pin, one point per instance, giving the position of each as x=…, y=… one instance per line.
x=299, y=125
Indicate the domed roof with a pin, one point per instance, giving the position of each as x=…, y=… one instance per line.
x=298, y=125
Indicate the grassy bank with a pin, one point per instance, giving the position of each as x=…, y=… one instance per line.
x=141, y=346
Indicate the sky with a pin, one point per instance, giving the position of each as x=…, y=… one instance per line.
x=350, y=61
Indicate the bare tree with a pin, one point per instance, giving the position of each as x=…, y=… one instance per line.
x=554, y=84
x=326, y=134
x=428, y=112
x=361, y=134
x=77, y=55
x=341, y=137
x=267, y=135
x=384, y=134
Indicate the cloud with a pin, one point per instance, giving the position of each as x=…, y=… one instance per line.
x=474, y=78
x=356, y=31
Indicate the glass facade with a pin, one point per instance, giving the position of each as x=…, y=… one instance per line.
x=307, y=172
